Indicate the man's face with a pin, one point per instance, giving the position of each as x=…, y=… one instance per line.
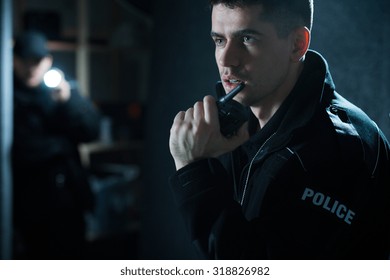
x=31, y=70
x=248, y=49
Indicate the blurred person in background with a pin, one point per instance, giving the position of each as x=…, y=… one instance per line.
x=51, y=189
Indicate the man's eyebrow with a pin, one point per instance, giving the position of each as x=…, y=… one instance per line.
x=246, y=32
x=215, y=34
x=239, y=33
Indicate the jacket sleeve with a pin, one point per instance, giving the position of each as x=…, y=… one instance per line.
x=78, y=118
x=213, y=219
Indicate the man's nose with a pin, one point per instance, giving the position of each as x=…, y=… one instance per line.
x=229, y=56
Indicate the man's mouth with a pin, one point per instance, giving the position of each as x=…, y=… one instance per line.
x=234, y=81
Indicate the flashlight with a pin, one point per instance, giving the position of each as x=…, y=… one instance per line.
x=53, y=78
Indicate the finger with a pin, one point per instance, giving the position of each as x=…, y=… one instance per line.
x=210, y=110
x=177, y=121
x=189, y=114
x=179, y=116
x=198, y=111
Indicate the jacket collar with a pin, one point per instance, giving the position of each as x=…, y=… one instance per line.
x=312, y=91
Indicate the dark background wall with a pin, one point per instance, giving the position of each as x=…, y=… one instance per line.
x=352, y=35
x=182, y=72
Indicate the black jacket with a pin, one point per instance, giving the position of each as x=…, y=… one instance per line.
x=51, y=188
x=314, y=183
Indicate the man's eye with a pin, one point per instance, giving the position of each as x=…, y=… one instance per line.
x=247, y=39
x=219, y=42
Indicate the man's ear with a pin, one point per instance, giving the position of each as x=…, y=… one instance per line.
x=300, y=43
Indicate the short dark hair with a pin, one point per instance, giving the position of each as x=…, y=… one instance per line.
x=285, y=14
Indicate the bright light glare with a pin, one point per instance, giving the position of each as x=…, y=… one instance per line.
x=52, y=78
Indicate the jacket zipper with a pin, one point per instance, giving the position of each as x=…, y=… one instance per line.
x=250, y=167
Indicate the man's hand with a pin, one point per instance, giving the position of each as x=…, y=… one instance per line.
x=195, y=134
x=62, y=92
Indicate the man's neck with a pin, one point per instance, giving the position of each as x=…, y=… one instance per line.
x=269, y=105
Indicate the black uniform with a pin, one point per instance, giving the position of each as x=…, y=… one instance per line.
x=51, y=190
x=313, y=183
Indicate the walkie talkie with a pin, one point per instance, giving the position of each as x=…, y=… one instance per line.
x=232, y=114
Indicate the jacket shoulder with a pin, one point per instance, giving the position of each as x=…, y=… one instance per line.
x=357, y=133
